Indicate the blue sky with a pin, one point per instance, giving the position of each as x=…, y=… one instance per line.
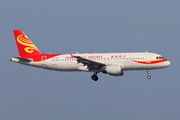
x=94, y=26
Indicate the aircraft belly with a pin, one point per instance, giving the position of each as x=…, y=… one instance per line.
x=138, y=66
x=63, y=66
x=69, y=67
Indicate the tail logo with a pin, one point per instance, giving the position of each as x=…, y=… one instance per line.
x=29, y=46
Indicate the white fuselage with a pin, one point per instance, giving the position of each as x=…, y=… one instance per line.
x=128, y=61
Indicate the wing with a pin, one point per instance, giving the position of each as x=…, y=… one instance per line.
x=91, y=65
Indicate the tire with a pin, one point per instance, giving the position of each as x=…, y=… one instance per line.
x=149, y=77
x=94, y=77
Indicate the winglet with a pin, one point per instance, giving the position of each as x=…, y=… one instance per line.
x=72, y=56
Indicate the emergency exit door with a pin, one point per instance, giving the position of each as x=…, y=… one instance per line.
x=43, y=60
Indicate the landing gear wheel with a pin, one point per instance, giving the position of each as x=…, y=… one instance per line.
x=149, y=77
x=94, y=77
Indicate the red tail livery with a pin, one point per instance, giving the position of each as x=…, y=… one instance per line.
x=25, y=46
x=27, y=49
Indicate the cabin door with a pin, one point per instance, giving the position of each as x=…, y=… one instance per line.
x=43, y=60
x=148, y=58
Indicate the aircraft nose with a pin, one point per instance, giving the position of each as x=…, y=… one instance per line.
x=167, y=63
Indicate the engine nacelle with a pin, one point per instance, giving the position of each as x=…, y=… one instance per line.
x=114, y=70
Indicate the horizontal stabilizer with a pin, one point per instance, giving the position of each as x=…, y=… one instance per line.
x=21, y=60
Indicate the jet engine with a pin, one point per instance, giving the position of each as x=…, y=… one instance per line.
x=114, y=70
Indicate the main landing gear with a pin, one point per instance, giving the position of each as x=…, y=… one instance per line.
x=149, y=77
x=94, y=76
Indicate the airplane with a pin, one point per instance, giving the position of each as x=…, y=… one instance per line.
x=113, y=64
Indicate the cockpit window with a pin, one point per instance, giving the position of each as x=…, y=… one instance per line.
x=159, y=57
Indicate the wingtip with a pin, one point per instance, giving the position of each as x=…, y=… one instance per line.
x=72, y=55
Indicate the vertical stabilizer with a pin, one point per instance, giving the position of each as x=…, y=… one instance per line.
x=25, y=46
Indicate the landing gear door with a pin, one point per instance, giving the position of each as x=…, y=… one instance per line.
x=148, y=58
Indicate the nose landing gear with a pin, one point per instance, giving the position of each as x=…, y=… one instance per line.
x=149, y=77
x=94, y=76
